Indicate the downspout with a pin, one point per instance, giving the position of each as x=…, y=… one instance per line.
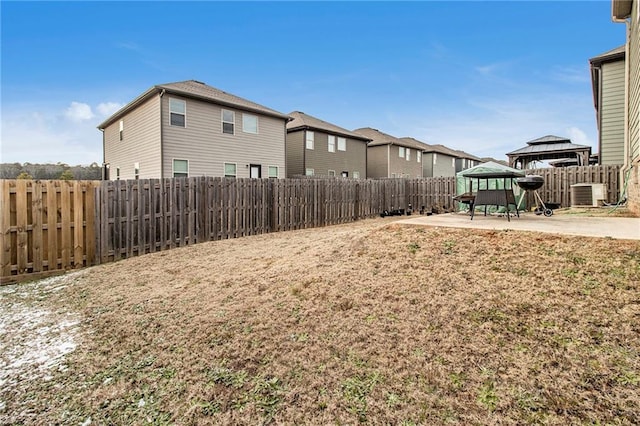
x=627, y=72
x=104, y=157
x=161, y=136
x=389, y=160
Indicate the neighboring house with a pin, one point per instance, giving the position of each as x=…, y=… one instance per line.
x=607, y=80
x=190, y=129
x=628, y=11
x=391, y=157
x=318, y=148
x=437, y=160
x=466, y=161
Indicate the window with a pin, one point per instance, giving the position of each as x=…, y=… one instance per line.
x=228, y=121
x=249, y=123
x=332, y=173
x=136, y=170
x=310, y=139
x=117, y=173
x=393, y=175
x=332, y=143
x=419, y=156
x=121, y=129
x=230, y=169
x=342, y=144
x=401, y=151
x=408, y=157
x=309, y=172
x=344, y=174
x=435, y=158
x=180, y=168
x=178, y=112
x=273, y=171
x=453, y=163
x=356, y=175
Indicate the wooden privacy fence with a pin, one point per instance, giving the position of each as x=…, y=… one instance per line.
x=46, y=225
x=144, y=216
x=57, y=225
x=558, y=181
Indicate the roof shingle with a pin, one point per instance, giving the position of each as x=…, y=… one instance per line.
x=306, y=121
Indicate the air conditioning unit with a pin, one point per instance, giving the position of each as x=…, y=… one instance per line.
x=588, y=194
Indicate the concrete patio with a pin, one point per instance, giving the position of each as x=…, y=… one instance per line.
x=612, y=227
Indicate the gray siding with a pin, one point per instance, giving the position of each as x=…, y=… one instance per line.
x=377, y=161
x=140, y=142
x=295, y=153
x=634, y=84
x=206, y=148
x=612, y=113
x=438, y=165
x=400, y=167
x=321, y=160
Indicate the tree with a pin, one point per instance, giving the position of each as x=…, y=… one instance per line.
x=66, y=175
x=24, y=175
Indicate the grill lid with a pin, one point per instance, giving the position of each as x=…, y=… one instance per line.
x=530, y=182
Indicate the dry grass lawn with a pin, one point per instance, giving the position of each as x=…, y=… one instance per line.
x=368, y=322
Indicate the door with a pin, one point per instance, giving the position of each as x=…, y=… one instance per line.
x=255, y=171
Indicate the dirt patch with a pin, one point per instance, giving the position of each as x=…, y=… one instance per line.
x=371, y=321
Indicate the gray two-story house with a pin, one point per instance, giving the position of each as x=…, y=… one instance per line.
x=437, y=160
x=318, y=148
x=391, y=157
x=188, y=128
x=608, y=84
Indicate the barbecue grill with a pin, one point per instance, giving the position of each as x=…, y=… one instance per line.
x=533, y=183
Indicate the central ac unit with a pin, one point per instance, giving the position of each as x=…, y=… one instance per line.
x=588, y=194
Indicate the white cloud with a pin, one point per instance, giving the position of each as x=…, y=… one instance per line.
x=579, y=137
x=49, y=136
x=105, y=109
x=79, y=111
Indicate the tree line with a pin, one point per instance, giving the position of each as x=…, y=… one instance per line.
x=50, y=171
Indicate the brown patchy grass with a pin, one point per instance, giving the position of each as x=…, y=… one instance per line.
x=369, y=322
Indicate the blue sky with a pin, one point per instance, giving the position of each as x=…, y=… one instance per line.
x=483, y=77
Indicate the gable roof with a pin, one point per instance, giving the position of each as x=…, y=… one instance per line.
x=195, y=90
x=462, y=154
x=380, y=138
x=303, y=121
x=610, y=55
x=439, y=149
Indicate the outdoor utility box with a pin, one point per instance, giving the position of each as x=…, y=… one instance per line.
x=588, y=194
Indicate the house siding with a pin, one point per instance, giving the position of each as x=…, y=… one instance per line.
x=401, y=167
x=295, y=153
x=443, y=167
x=612, y=113
x=203, y=144
x=321, y=160
x=634, y=84
x=377, y=161
x=140, y=143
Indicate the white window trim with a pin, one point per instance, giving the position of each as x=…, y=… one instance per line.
x=136, y=170
x=344, y=140
x=356, y=174
x=257, y=121
x=173, y=164
x=331, y=147
x=306, y=172
x=185, y=111
x=228, y=122
x=277, y=172
x=435, y=157
x=332, y=173
x=401, y=153
x=224, y=169
x=121, y=133
x=419, y=156
x=453, y=163
x=308, y=139
x=408, y=154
